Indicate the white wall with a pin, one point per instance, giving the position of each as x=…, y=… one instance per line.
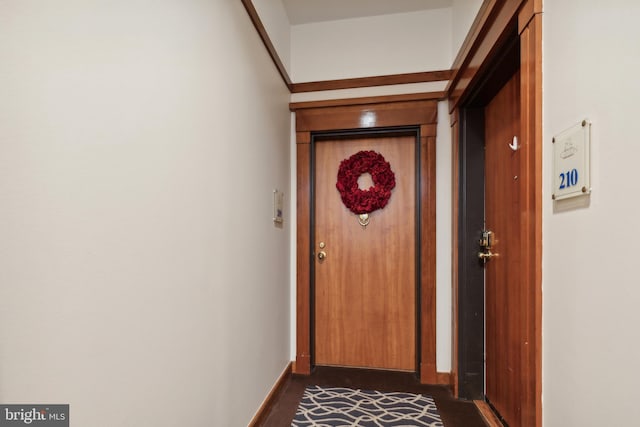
x=463, y=13
x=443, y=239
x=390, y=44
x=274, y=18
x=141, y=278
x=590, y=255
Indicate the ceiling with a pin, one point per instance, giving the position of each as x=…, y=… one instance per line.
x=307, y=11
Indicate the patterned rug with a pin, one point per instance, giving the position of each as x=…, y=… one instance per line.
x=342, y=407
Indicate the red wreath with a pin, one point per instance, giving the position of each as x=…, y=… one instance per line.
x=376, y=197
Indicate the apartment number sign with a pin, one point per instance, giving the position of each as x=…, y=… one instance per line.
x=571, y=162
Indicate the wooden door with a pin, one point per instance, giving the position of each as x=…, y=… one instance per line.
x=505, y=339
x=365, y=288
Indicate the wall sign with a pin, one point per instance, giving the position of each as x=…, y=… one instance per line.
x=571, y=162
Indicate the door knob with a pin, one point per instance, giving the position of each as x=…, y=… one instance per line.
x=322, y=255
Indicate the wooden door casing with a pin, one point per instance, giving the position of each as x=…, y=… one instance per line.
x=420, y=113
x=504, y=339
x=365, y=288
x=475, y=68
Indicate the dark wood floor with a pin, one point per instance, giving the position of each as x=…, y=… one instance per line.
x=454, y=413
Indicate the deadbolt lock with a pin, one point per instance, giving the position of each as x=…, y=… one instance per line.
x=486, y=239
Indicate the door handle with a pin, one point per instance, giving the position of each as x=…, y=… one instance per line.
x=486, y=256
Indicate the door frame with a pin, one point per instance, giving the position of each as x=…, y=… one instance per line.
x=360, y=115
x=498, y=23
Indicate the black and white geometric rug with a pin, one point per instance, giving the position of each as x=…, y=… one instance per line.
x=342, y=407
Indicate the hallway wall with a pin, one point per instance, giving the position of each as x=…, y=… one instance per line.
x=590, y=250
x=463, y=13
x=142, y=280
x=276, y=23
x=365, y=47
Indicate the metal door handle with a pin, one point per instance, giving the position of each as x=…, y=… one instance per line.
x=322, y=255
x=486, y=256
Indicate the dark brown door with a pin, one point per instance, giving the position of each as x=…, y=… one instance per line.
x=365, y=287
x=504, y=323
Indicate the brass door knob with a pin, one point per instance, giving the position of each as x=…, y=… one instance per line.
x=322, y=255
